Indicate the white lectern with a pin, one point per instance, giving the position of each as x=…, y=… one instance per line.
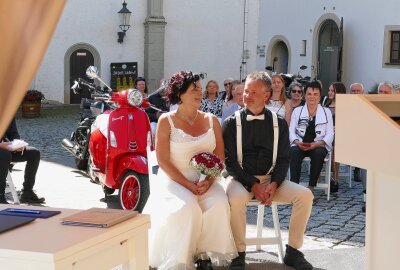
x=367, y=137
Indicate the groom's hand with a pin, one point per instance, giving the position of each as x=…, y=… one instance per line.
x=270, y=191
x=259, y=192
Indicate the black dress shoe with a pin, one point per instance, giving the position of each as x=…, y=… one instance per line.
x=295, y=259
x=203, y=264
x=29, y=196
x=334, y=186
x=239, y=262
x=357, y=175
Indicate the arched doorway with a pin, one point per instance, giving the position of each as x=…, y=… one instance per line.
x=79, y=61
x=329, y=54
x=280, y=57
x=76, y=60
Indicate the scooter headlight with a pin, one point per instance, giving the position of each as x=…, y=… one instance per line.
x=135, y=98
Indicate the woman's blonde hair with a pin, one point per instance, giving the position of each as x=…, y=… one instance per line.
x=282, y=97
x=206, y=92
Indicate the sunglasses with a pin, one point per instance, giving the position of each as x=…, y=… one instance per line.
x=226, y=84
x=297, y=91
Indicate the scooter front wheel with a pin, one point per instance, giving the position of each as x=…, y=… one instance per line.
x=134, y=191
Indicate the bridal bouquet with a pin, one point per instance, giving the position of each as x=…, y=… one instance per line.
x=207, y=164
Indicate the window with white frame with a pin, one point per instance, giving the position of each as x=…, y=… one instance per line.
x=394, y=47
x=391, y=47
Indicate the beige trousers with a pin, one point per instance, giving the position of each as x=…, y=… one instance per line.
x=288, y=192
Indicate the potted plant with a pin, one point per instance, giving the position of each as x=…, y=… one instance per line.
x=32, y=103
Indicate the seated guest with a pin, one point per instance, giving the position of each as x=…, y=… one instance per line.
x=278, y=102
x=358, y=89
x=330, y=103
x=237, y=102
x=229, y=97
x=310, y=134
x=29, y=154
x=210, y=102
x=156, y=99
x=385, y=88
x=227, y=89
x=296, y=94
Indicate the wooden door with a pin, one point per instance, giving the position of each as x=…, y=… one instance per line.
x=79, y=62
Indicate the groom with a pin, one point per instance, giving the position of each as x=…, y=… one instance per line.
x=250, y=179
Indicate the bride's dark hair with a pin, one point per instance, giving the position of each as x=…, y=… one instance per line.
x=179, y=83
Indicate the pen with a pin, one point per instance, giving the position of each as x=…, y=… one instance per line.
x=26, y=211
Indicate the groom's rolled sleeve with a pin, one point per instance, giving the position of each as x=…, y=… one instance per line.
x=231, y=161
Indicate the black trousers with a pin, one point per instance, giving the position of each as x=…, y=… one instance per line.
x=32, y=157
x=316, y=155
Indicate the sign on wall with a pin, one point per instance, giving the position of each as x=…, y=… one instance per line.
x=123, y=75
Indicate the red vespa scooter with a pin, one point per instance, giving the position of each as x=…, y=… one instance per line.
x=117, y=148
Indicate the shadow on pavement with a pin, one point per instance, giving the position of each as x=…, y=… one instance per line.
x=112, y=201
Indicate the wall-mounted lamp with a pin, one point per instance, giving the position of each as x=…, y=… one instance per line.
x=261, y=50
x=124, y=16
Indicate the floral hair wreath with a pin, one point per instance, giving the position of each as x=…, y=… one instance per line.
x=178, y=79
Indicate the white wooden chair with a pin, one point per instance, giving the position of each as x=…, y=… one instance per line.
x=11, y=188
x=350, y=173
x=271, y=240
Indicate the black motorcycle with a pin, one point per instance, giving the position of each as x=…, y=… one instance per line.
x=79, y=141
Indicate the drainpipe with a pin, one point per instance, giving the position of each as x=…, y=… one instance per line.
x=243, y=68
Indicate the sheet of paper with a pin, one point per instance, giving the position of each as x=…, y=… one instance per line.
x=17, y=144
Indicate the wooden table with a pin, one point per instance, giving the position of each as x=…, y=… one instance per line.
x=46, y=244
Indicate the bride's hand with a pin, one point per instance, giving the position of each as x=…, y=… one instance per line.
x=192, y=186
x=203, y=186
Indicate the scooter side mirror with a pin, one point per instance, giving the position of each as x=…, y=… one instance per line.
x=92, y=72
x=269, y=68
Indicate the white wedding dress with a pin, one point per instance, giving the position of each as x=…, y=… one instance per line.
x=184, y=225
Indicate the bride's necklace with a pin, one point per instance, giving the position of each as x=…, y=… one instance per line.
x=186, y=119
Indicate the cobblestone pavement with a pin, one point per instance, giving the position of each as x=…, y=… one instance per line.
x=335, y=224
x=47, y=131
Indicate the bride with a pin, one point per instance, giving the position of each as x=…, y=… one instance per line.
x=189, y=220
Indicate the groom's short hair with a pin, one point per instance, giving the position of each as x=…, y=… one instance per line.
x=260, y=76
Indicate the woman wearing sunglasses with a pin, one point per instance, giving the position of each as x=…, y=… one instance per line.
x=296, y=95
